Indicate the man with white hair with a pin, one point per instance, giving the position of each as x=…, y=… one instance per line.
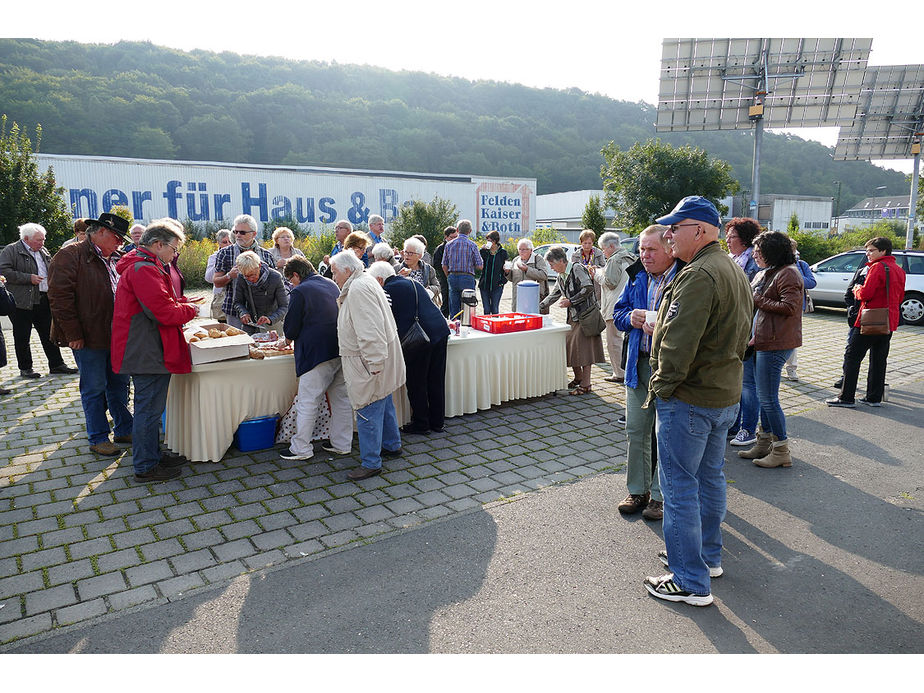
x=376, y=228
x=134, y=233
x=697, y=347
x=25, y=266
x=611, y=281
x=372, y=362
x=244, y=230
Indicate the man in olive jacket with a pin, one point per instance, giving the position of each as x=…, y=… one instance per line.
x=697, y=348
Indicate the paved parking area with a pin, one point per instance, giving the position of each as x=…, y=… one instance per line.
x=79, y=539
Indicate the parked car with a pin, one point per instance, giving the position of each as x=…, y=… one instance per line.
x=630, y=244
x=543, y=249
x=834, y=273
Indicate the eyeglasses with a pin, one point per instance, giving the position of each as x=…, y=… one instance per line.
x=674, y=227
x=243, y=232
x=174, y=248
x=411, y=252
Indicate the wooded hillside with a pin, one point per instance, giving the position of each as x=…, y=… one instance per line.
x=141, y=100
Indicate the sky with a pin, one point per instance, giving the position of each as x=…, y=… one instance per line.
x=608, y=48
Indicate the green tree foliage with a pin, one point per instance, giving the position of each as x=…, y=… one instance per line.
x=425, y=218
x=26, y=195
x=124, y=212
x=593, y=217
x=793, y=225
x=647, y=180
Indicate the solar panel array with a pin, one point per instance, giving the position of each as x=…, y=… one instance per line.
x=710, y=84
x=890, y=112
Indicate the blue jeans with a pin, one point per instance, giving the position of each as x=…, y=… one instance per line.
x=102, y=389
x=150, y=400
x=769, y=368
x=377, y=428
x=490, y=300
x=458, y=282
x=691, y=455
x=750, y=405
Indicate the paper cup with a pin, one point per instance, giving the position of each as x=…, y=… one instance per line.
x=651, y=316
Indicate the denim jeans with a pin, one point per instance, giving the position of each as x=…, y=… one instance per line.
x=691, y=455
x=750, y=405
x=490, y=300
x=101, y=389
x=767, y=372
x=639, y=423
x=150, y=401
x=377, y=429
x=458, y=282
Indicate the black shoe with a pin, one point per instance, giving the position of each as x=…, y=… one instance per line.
x=329, y=447
x=411, y=428
x=838, y=402
x=360, y=473
x=391, y=453
x=4, y=391
x=838, y=384
x=621, y=420
x=171, y=459
x=437, y=429
x=62, y=370
x=29, y=373
x=158, y=473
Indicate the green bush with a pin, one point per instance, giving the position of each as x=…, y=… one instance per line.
x=813, y=247
x=192, y=262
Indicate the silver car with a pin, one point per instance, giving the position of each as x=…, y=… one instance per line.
x=541, y=250
x=834, y=274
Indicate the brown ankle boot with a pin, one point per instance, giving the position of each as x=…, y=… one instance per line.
x=761, y=447
x=778, y=457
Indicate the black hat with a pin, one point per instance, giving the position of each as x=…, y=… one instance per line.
x=113, y=222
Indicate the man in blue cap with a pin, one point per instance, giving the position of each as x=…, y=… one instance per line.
x=697, y=348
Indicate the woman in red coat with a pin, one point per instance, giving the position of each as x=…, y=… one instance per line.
x=883, y=272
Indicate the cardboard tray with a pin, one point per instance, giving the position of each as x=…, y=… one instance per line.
x=212, y=350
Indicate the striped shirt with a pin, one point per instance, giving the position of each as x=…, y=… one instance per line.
x=656, y=286
x=461, y=256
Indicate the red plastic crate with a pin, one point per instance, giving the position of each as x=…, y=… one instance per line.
x=506, y=322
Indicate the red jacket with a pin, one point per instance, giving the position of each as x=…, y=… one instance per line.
x=147, y=335
x=872, y=293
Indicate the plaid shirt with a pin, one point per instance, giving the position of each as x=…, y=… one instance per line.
x=656, y=286
x=225, y=260
x=461, y=255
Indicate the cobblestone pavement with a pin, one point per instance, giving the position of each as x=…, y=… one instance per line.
x=79, y=539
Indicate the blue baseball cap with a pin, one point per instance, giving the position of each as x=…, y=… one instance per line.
x=692, y=207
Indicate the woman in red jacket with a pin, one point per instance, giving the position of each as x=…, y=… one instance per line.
x=883, y=272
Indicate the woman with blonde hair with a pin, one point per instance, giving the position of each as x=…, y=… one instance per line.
x=284, y=248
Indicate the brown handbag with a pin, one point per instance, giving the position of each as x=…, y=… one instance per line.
x=876, y=320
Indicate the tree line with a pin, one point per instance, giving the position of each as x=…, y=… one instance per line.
x=137, y=99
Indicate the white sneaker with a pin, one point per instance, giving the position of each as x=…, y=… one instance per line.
x=743, y=437
x=791, y=375
x=714, y=571
x=664, y=587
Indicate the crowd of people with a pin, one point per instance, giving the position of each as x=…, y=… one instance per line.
x=700, y=338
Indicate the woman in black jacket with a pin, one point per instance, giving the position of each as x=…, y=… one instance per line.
x=7, y=306
x=493, y=277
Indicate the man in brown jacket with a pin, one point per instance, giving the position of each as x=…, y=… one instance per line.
x=82, y=283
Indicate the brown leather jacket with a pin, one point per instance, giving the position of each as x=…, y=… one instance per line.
x=80, y=296
x=778, y=295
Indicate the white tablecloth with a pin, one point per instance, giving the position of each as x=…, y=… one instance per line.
x=205, y=407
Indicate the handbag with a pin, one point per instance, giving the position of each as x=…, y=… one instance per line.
x=876, y=320
x=415, y=337
x=591, y=320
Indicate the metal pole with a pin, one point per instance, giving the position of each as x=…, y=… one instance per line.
x=909, y=236
x=754, y=206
